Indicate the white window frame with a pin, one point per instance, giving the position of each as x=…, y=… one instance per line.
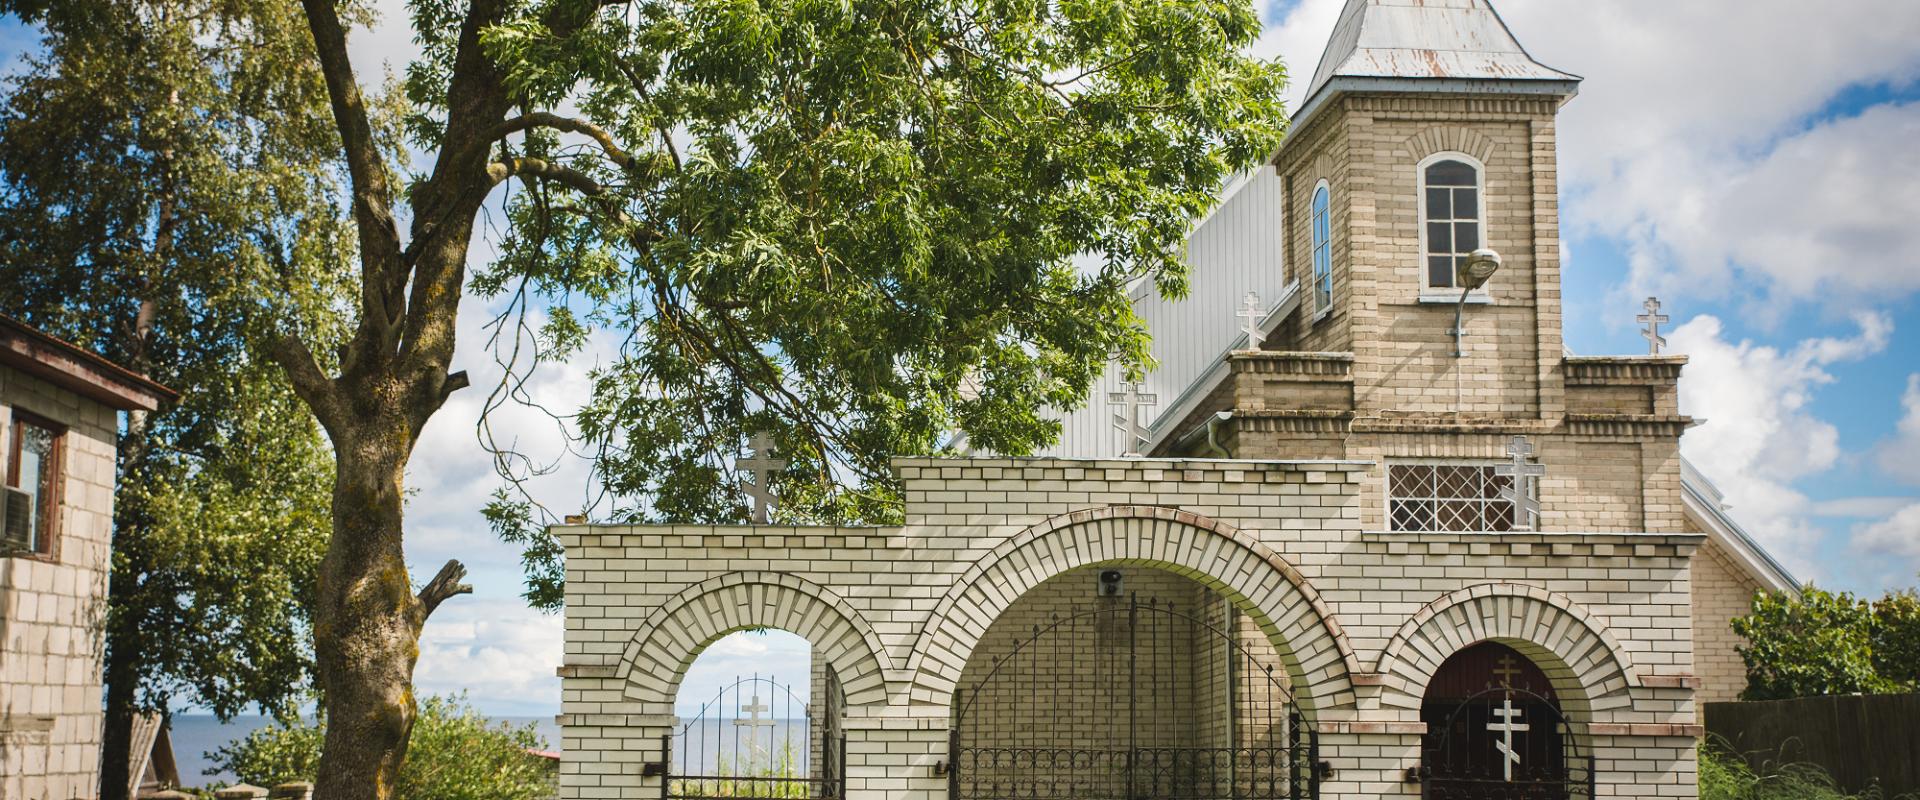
x=1387, y=496
x=1449, y=294
x=1322, y=307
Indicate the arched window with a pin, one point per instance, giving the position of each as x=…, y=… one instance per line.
x=1322, y=250
x=1451, y=212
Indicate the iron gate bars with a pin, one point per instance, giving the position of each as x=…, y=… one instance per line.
x=1538, y=762
x=1176, y=707
x=749, y=742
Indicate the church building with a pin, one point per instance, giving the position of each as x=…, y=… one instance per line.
x=1367, y=530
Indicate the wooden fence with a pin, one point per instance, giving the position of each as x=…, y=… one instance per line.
x=1861, y=740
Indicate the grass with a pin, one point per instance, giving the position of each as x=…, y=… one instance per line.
x=1727, y=777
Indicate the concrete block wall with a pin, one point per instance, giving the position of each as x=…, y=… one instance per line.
x=52, y=608
x=1358, y=617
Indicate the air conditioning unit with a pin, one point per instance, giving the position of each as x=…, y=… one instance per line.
x=16, y=519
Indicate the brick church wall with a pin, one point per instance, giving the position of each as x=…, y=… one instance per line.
x=1721, y=591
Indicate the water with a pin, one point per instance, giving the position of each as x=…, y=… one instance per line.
x=709, y=746
x=196, y=735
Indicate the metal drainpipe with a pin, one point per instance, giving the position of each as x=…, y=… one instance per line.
x=1213, y=441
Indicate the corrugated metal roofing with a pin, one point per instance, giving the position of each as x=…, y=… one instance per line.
x=1458, y=39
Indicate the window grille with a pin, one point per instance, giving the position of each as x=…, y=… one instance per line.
x=1450, y=214
x=1460, y=498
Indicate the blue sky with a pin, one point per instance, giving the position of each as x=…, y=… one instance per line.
x=1751, y=162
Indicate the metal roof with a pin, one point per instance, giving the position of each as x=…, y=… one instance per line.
x=1449, y=39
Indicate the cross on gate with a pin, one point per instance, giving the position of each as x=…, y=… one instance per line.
x=1506, y=672
x=1653, y=318
x=761, y=465
x=1526, y=507
x=1131, y=398
x=1507, y=726
x=1250, y=311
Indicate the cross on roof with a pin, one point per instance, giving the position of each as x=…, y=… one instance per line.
x=1526, y=503
x=1250, y=311
x=1508, y=725
x=1126, y=417
x=761, y=465
x=1653, y=318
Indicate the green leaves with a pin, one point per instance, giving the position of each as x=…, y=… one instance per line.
x=872, y=225
x=1822, y=643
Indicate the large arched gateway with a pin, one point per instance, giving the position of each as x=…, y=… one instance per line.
x=1230, y=630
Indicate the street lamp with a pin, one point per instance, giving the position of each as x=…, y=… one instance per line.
x=1480, y=265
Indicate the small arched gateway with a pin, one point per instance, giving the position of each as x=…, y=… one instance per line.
x=1496, y=729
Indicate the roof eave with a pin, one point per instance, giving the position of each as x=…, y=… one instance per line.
x=1564, y=88
x=77, y=369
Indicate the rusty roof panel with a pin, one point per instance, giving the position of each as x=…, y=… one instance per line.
x=1456, y=39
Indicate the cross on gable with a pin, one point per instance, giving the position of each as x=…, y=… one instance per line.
x=1126, y=417
x=1653, y=318
x=761, y=465
x=1508, y=725
x=1526, y=505
x=1250, y=311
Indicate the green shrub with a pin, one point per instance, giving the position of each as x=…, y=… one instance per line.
x=455, y=754
x=1724, y=776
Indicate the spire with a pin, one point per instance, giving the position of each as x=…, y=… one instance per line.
x=1385, y=43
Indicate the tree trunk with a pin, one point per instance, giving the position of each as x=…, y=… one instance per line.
x=122, y=677
x=367, y=621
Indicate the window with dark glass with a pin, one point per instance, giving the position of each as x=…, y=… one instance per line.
x=1451, y=214
x=1466, y=498
x=33, y=468
x=1322, y=249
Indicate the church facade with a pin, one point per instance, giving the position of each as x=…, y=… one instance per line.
x=1380, y=536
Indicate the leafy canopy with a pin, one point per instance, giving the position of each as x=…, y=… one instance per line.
x=1823, y=643
x=865, y=226
x=168, y=198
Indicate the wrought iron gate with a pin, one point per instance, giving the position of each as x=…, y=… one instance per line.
x=1160, y=727
x=1520, y=749
x=757, y=739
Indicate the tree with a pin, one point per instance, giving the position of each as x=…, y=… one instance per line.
x=852, y=223
x=1823, y=643
x=456, y=754
x=166, y=200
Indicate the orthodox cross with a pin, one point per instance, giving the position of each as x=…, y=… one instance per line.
x=1653, y=318
x=1126, y=417
x=761, y=465
x=1506, y=672
x=1250, y=311
x=1526, y=507
x=754, y=720
x=1508, y=725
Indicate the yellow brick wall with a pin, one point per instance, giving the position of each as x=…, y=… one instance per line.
x=1721, y=591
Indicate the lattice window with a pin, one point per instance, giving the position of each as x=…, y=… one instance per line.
x=1465, y=498
x=1450, y=206
x=1322, y=249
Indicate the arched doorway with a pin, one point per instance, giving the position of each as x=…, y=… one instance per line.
x=1127, y=683
x=757, y=734
x=1495, y=731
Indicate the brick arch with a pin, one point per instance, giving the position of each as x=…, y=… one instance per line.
x=1449, y=138
x=1589, y=669
x=1261, y=583
x=668, y=641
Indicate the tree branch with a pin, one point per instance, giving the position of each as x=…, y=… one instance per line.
x=309, y=382
x=541, y=168
x=543, y=119
x=445, y=584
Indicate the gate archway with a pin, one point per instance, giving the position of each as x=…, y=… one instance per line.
x=1124, y=697
x=757, y=738
x=1496, y=731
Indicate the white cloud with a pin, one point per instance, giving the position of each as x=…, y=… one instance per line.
x=1760, y=437
x=1900, y=457
x=498, y=651
x=1896, y=537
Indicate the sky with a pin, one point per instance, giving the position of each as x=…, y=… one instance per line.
x=1751, y=162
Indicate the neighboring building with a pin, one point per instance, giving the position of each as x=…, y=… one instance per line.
x=59, y=423
x=1362, y=559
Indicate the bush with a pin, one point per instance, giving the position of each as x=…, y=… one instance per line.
x=455, y=754
x=1826, y=643
x=1724, y=776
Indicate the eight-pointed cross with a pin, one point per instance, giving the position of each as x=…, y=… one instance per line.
x=1506, y=672
x=1508, y=725
x=1250, y=311
x=761, y=465
x=1653, y=318
x=1526, y=507
x=1126, y=416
